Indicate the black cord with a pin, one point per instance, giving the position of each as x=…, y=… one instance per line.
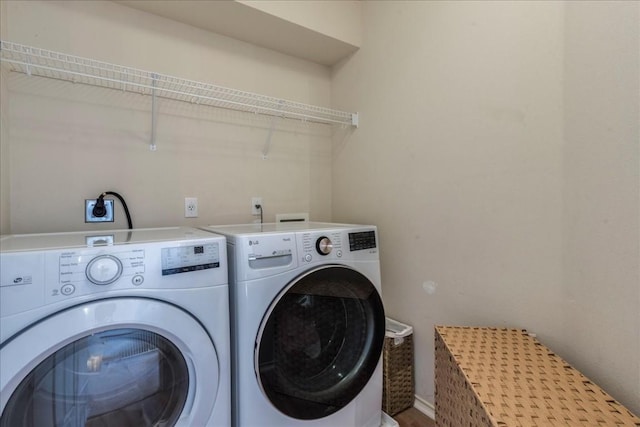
x=99, y=209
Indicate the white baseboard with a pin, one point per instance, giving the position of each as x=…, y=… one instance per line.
x=425, y=407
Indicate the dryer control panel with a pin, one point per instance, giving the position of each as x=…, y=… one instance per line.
x=320, y=245
x=337, y=245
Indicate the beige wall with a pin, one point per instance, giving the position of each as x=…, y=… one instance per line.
x=460, y=160
x=337, y=19
x=601, y=283
x=71, y=142
x=5, y=176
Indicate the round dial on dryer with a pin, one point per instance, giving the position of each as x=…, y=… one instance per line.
x=104, y=269
x=324, y=245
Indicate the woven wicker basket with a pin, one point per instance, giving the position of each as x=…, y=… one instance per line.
x=398, y=384
x=490, y=377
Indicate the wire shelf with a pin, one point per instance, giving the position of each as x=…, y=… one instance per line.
x=45, y=63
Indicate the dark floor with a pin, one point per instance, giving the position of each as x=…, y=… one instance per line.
x=413, y=418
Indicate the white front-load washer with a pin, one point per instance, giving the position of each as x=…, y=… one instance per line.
x=307, y=324
x=126, y=328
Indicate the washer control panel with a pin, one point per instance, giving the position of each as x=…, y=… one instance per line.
x=71, y=266
x=76, y=267
x=100, y=269
x=183, y=259
x=104, y=269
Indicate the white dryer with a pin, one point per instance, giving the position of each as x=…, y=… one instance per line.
x=307, y=324
x=127, y=328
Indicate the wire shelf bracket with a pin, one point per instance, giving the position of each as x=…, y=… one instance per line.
x=154, y=115
x=267, y=144
x=34, y=61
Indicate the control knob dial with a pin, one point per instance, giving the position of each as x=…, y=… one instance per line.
x=324, y=246
x=104, y=270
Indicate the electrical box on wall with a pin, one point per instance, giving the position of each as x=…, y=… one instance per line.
x=88, y=211
x=190, y=207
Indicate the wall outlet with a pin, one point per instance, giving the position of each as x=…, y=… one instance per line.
x=88, y=211
x=190, y=207
x=255, y=201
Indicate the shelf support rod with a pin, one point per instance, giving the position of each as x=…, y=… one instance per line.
x=267, y=144
x=29, y=63
x=154, y=112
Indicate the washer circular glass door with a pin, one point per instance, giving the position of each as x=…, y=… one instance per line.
x=320, y=342
x=126, y=372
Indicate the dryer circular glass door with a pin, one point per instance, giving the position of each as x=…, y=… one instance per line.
x=121, y=362
x=320, y=342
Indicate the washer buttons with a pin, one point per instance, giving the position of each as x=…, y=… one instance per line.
x=137, y=280
x=307, y=257
x=67, y=289
x=339, y=253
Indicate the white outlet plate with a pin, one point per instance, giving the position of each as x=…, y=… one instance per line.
x=255, y=201
x=88, y=211
x=190, y=207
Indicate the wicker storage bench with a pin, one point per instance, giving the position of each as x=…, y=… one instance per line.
x=504, y=377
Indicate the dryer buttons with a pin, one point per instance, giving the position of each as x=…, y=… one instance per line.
x=308, y=257
x=104, y=270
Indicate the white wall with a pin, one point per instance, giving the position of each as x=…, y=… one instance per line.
x=460, y=160
x=71, y=142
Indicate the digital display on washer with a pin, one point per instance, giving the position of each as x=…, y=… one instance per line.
x=183, y=259
x=362, y=240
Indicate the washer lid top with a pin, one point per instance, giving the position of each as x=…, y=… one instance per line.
x=48, y=241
